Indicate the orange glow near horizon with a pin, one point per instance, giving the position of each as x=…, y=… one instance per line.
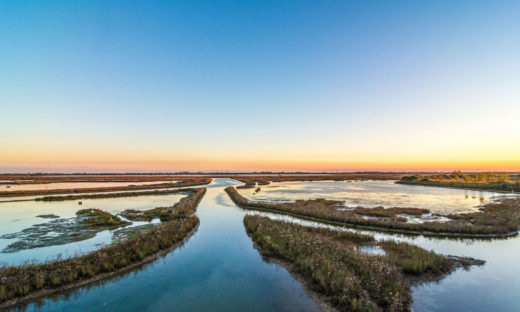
x=323, y=154
x=121, y=163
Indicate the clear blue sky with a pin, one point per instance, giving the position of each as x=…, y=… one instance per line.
x=257, y=85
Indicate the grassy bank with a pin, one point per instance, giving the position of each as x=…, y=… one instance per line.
x=185, y=182
x=53, y=178
x=109, y=195
x=492, y=220
x=331, y=264
x=17, y=282
x=499, y=182
x=251, y=181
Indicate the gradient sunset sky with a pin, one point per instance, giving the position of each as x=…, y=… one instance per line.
x=259, y=85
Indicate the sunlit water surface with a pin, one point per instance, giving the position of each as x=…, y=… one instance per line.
x=71, y=185
x=218, y=269
x=374, y=193
x=17, y=216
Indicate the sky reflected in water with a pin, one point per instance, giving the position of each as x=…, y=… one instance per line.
x=374, y=193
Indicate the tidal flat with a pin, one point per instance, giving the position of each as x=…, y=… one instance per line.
x=23, y=225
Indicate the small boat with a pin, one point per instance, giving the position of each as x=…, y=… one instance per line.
x=80, y=203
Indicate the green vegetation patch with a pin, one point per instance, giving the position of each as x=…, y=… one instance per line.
x=492, y=220
x=19, y=281
x=98, y=218
x=86, y=224
x=331, y=264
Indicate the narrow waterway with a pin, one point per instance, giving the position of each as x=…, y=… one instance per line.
x=218, y=269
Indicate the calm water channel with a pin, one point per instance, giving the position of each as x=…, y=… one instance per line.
x=218, y=269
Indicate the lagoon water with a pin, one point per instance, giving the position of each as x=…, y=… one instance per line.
x=17, y=216
x=71, y=185
x=218, y=269
x=370, y=194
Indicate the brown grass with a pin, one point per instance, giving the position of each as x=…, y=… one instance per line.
x=264, y=180
x=191, y=181
x=20, y=281
x=331, y=264
x=503, y=221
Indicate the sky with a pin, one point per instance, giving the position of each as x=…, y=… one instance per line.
x=102, y=86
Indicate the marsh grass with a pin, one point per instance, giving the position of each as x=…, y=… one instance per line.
x=98, y=218
x=487, y=181
x=330, y=262
x=390, y=212
x=492, y=220
x=108, y=195
x=19, y=281
x=185, y=182
x=252, y=181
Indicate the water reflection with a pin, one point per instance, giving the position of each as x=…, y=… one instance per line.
x=496, y=283
x=218, y=269
x=71, y=185
x=374, y=193
x=17, y=216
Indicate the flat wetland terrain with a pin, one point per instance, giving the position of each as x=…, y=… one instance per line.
x=349, y=242
x=500, y=182
x=498, y=218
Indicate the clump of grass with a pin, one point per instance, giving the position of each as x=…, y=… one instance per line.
x=18, y=281
x=415, y=260
x=163, y=213
x=332, y=265
x=503, y=221
x=489, y=181
x=389, y=212
x=99, y=218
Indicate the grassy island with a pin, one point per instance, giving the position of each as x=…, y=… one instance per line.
x=332, y=264
x=182, y=182
x=25, y=282
x=110, y=195
x=252, y=180
x=502, y=219
x=484, y=181
x=67, y=178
